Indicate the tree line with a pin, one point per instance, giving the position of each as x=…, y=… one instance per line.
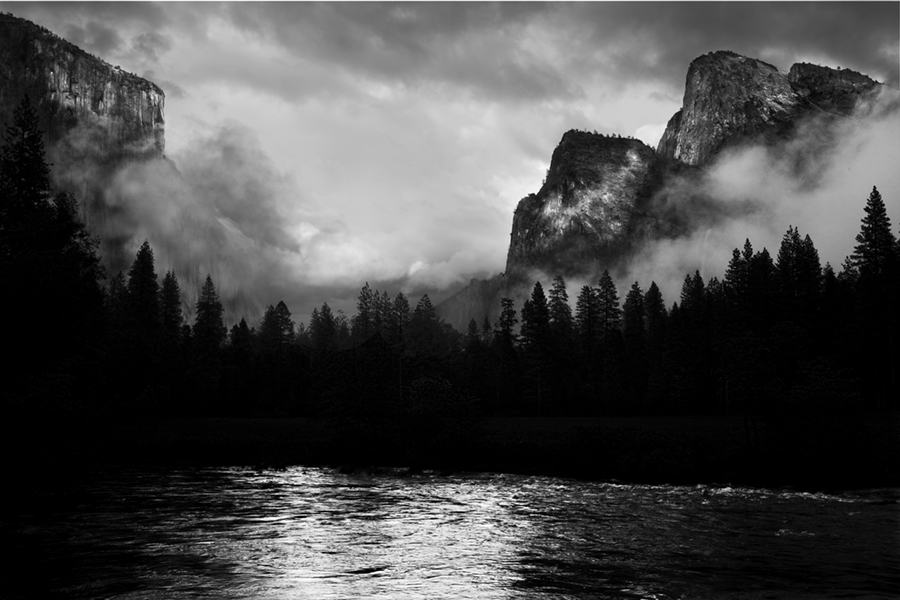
x=777, y=335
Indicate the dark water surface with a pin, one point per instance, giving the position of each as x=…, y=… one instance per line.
x=315, y=533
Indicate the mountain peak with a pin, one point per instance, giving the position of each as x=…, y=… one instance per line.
x=72, y=88
x=729, y=97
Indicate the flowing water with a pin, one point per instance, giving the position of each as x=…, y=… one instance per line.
x=316, y=533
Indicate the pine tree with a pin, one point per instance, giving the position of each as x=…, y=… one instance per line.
x=400, y=314
x=693, y=296
x=363, y=322
x=536, y=321
x=276, y=331
x=472, y=334
x=510, y=371
x=610, y=316
x=209, y=329
x=761, y=295
x=655, y=307
x=425, y=331
x=799, y=277
x=143, y=292
x=635, y=337
x=172, y=315
x=561, y=323
x=587, y=318
x=875, y=243
x=24, y=172
x=877, y=267
x=241, y=339
x=505, y=327
x=537, y=343
x=323, y=329
x=48, y=257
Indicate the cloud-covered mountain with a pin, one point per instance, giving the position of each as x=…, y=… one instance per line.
x=606, y=199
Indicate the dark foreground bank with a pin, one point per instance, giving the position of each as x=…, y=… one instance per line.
x=855, y=452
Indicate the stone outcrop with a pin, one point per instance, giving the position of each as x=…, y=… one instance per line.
x=730, y=98
x=590, y=205
x=827, y=89
x=604, y=196
x=95, y=117
x=74, y=90
x=594, y=205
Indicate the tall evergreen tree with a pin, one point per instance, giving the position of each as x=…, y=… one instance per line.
x=877, y=269
x=24, y=172
x=610, y=315
x=655, y=309
x=587, y=318
x=762, y=291
x=323, y=330
x=693, y=294
x=425, y=336
x=506, y=323
x=536, y=321
x=240, y=338
x=799, y=278
x=209, y=328
x=399, y=319
x=635, y=336
x=276, y=331
x=46, y=254
x=363, y=322
x=875, y=243
x=561, y=323
x=171, y=313
x=536, y=339
x=143, y=292
x=472, y=334
x=509, y=380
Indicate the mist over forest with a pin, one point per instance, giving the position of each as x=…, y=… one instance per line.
x=761, y=287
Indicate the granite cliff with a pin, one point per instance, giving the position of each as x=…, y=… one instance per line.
x=591, y=205
x=594, y=206
x=73, y=89
x=95, y=116
x=605, y=196
x=729, y=98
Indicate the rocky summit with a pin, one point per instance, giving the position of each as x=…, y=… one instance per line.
x=605, y=196
x=729, y=98
x=72, y=90
x=95, y=116
x=592, y=202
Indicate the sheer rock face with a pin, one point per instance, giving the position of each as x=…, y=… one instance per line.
x=831, y=90
x=606, y=196
x=595, y=194
x=729, y=98
x=726, y=96
x=71, y=89
x=95, y=118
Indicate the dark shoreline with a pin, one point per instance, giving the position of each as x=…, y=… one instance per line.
x=857, y=453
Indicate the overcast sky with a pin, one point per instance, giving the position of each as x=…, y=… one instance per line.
x=391, y=142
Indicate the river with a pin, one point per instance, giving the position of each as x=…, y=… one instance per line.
x=316, y=533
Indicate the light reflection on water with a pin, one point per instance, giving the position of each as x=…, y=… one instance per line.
x=315, y=533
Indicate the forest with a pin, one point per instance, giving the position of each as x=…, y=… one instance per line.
x=779, y=335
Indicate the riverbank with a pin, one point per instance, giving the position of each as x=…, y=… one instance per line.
x=851, y=452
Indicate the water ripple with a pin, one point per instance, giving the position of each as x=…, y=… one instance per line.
x=316, y=533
